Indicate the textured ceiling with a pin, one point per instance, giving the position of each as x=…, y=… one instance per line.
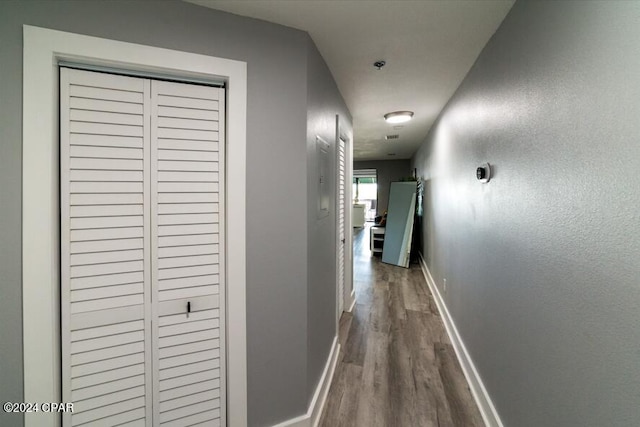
x=429, y=47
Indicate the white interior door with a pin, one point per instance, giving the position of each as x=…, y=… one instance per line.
x=187, y=203
x=142, y=293
x=105, y=289
x=341, y=223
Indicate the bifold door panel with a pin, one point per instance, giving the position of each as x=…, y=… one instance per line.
x=186, y=213
x=105, y=124
x=142, y=295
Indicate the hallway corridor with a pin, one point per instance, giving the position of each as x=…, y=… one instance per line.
x=396, y=366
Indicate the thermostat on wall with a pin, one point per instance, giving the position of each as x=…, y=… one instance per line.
x=483, y=173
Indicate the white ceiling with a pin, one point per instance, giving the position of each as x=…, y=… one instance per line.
x=429, y=46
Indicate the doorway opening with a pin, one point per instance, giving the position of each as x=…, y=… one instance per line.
x=365, y=191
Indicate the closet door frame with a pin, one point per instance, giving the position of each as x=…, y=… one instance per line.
x=43, y=49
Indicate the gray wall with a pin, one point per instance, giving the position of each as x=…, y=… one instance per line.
x=324, y=102
x=388, y=171
x=276, y=177
x=542, y=263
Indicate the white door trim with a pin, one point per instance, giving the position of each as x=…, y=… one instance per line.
x=42, y=50
x=350, y=297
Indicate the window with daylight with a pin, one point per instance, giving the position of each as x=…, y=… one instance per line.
x=365, y=191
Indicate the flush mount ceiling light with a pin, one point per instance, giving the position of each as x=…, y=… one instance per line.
x=398, y=116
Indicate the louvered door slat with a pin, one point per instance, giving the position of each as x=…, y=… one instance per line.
x=200, y=158
x=194, y=348
x=187, y=229
x=107, y=353
x=118, y=118
x=102, y=331
x=112, y=363
x=196, y=166
x=186, y=215
x=172, y=241
x=185, y=380
x=189, y=400
x=188, y=176
x=201, y=313
x=189, y=124
x=96, y=93
x=105, y=129
x=177, y=208
x=187, y=197
x=188, y=113
x=186, y=411
x=191, y=103
x=80, y=163
x=136, y=423
x=188, y=292
x=210, y=385
x=107, y=256
x=104, y=412
x=104, y=142
x=108, y=399
x=188, y=250
x=110, y=245
x=83, y=151
x=206, y=418
x=196, y=281
x=105, y=389
x=87, y=104
x=184, y=272
x=94, y=199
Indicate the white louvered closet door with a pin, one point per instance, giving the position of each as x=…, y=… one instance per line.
x=105, y=248
x=187, y=205
x=341, y=220
x=142, y=300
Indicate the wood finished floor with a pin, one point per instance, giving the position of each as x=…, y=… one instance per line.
x=396, y=366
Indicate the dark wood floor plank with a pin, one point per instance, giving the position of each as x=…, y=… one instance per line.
x=397, y=367
x=427, y=330
x=428, y=327
x=464, y=411
x=373, y=403
x=397, y=307
x=401, y=380
x=379, y=315
x=414, y=295
x=355, y=345
x=343, y=330
x=344, y=403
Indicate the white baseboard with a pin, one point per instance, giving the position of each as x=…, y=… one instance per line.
x=312, y=417
x=351, y=302
x=487, y=409
x=301, y=421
